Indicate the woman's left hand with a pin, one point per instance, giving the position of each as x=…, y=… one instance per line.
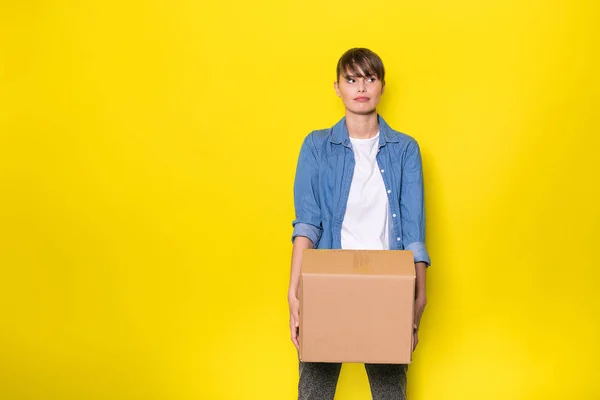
x=420, y=303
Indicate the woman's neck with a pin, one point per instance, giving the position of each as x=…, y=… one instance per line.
x=362, y=126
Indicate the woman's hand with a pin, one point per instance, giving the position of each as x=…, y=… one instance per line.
x=420, y=303
x=294, y=304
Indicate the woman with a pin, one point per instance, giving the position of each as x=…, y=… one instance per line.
x=358, y=185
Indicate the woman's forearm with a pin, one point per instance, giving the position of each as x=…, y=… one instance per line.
x=301, y=243
x=421, y=269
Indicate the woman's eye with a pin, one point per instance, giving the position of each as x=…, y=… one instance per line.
x=350, y=80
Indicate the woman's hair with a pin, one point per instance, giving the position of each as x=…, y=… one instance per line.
x=359, y=61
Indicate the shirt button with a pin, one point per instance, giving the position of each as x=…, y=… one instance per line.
x=398, y=239
x=382, y=171
x=394, y=215
x=389, y=191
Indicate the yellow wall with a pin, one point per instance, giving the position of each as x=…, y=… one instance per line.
x=147, y=152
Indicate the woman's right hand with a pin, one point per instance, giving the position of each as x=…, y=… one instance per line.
x=294, y=320
x=301, y=243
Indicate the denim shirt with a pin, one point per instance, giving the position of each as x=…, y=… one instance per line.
x=322, y=185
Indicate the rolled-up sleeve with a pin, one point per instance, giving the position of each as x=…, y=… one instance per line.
x=306, y=194
x=412, y=204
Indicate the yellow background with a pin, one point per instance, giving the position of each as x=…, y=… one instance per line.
x=147, y=154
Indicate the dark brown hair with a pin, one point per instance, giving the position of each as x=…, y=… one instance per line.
x=360, y=59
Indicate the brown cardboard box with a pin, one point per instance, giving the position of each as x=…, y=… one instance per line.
x=357, y=306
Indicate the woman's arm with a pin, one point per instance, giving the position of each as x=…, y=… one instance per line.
x=420, y=299
x=307, y=225
x=412, y=210
x=300, y=244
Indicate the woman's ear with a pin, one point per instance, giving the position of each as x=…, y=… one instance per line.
x=337, y=89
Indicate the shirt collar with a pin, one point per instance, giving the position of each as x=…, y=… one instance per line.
x=339, y=133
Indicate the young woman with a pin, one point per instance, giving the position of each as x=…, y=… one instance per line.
x=358, y=185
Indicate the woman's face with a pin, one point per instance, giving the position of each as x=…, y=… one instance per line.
x=359, y=93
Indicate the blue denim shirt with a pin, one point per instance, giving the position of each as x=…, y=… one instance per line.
x=322, y=184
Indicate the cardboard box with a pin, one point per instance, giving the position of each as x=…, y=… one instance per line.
x=357, y=306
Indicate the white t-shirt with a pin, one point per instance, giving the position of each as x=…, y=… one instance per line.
x=365, y=225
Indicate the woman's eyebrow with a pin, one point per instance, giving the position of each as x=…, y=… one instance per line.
x=367, y=75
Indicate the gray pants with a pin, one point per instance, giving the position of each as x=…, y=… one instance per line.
x=318, y=381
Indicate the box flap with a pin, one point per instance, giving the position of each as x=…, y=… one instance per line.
x=358, y=262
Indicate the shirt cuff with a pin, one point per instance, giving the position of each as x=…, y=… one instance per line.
x=307, y=230
x=419, y=251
